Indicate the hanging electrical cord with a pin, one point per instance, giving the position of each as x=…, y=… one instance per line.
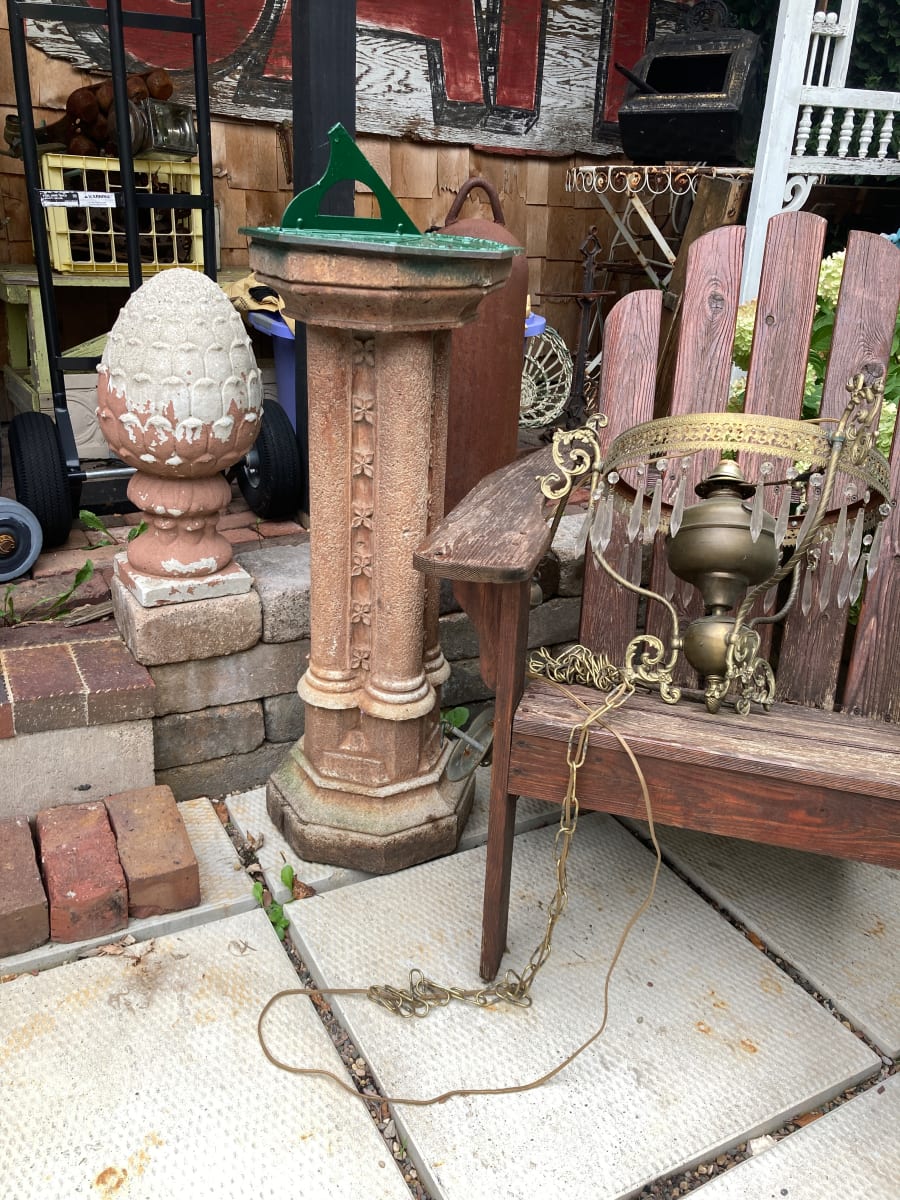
x=423, y=995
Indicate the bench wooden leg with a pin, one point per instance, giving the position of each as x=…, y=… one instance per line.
x=508, y=606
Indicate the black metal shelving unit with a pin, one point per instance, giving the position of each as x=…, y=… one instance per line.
x=64, y=471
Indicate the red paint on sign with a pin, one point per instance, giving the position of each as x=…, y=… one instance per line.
x=629, y=37
x=520, y=41
x=279, y=60
x=225, y=34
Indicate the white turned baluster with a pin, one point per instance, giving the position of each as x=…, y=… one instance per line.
x=825, y=131
x=803, y=127
x=884, y=138
x=865, y=134
x=846, y=132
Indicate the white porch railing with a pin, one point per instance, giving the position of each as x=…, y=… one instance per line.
x=813, y=125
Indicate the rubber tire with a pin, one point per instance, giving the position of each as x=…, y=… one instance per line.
x=271, y=477
x=40, y=476
x=19, y=522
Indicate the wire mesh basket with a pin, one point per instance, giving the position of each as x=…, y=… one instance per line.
x=546, y=379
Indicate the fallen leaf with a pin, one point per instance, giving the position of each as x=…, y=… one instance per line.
x=254, y=841
x=137, y=959
x=757, y=941
x=111, y=949
x=807, y=1118
x=301, y=890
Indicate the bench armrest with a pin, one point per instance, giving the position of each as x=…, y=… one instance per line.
x=498, y=533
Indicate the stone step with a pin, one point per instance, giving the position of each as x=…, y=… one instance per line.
x=69, y=766
x=159, y=1087
x=54, y=678
x=837, y=922
x=851, y=1153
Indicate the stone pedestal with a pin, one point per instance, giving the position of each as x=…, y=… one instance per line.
x=365, y=786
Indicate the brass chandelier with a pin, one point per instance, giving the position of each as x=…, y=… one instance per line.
x=728, y=546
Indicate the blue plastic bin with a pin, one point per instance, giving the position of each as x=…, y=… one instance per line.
x=283, y=349
x=534, y=325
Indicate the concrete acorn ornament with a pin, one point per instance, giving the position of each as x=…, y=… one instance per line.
x=180, y=400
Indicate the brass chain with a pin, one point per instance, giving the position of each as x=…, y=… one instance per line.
x=575, y=665
x=424, y=994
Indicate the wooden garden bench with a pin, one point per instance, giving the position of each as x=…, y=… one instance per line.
x=821, y=770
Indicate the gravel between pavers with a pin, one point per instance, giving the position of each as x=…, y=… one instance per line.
x=356, y=1065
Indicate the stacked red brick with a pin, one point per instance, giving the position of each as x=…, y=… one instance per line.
x=101, y=863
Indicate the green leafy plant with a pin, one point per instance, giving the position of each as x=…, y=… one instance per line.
x=455, y=718
x=820, y=343
x=92, y=521
x=287, y=876
x=47, y=609
x=274, y=911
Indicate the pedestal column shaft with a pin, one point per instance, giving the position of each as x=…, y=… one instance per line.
x=396, y=687
x=331, y=680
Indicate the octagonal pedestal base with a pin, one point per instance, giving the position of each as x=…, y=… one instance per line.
x=388, y=831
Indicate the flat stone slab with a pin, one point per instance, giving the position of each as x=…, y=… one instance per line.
x=836, y=922
x=708, y=1043
x=140, y=1076
x=153, y=590
x=248, y=811
x=224, y=889
x=852, y=1153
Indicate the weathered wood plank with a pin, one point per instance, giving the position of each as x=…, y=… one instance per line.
x=766, y=745
x=810, y=661
x=700, y=384
x=498, y=533
x=510, y=603
x=784, y=314
x=627, y=384
x=719, y=202
x=873, y=679
x=768, y=784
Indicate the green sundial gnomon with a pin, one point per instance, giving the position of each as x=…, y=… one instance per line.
x=347, y=162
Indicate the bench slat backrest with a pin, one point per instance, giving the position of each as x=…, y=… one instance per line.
x=812, y=654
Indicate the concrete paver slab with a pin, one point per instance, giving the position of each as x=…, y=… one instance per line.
x=143, y=1079
x=852, y=1153
x=224, y=890
x=836, y=922
x=707, y=1043
x=530, y=814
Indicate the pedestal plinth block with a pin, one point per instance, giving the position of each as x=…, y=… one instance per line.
x=365, y=787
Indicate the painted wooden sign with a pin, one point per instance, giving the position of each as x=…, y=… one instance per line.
x=534, y=75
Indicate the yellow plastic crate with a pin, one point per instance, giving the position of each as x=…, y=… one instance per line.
x=91, y=240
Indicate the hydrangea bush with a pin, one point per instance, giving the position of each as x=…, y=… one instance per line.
x=820, y=342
